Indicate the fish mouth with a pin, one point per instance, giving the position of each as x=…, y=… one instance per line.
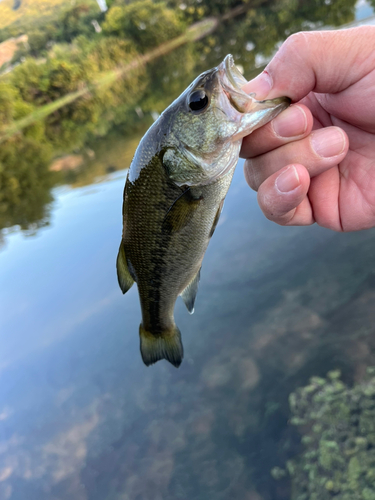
x=234, y=75
x=232, y=82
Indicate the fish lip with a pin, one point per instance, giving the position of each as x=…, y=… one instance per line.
x=233, y=74
x=232, y=81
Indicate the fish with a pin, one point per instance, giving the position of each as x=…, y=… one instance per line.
x=174, y=194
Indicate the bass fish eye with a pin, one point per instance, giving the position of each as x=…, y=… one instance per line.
x=198, y=100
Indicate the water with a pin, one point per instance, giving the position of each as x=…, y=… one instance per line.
x=363, y=10
x=81, y=417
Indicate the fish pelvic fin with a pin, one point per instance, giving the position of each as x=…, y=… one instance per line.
x=167, y=346
x=190, y=292
x=124, y=277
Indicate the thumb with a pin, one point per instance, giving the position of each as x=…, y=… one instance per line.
x=318, y=61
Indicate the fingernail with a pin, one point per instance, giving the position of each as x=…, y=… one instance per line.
x=261, y=85
x=287, y=180
x=328, y=142
x=290, y=123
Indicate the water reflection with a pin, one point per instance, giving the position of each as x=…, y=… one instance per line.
x=80, y=416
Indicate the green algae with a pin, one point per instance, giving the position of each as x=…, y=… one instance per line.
x=337, y=428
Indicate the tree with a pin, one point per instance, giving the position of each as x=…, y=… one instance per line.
x=146, y=23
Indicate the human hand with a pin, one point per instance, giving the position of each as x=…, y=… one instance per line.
x=315, y=162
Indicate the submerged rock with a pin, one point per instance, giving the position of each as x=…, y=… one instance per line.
x=337, y=426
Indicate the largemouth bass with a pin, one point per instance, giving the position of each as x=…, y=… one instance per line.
x=174, y=194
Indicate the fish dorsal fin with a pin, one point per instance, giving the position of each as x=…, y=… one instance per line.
x=217, y=217
x=190, y=292
x=124, y=277
x=181, y=210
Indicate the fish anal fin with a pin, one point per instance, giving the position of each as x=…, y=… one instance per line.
x=190, y=292
x=217, y=217
x=124, y=277
x=181, y=211
x=167, y=345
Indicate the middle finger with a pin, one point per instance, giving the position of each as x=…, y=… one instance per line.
x=321, y=150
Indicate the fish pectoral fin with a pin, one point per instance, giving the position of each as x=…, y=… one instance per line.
x=217, y=217
x=190, y=292
x=124, y=277
x=167, y=345
x=181, y=211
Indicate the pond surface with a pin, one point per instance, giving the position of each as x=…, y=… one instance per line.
x=82, y=418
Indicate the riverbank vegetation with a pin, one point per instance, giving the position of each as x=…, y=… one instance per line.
x=337, y=430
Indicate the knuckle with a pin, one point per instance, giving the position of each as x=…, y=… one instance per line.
x=297, y=40
x=295, y=44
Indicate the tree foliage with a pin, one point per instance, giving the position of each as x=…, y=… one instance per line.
x=146, y=23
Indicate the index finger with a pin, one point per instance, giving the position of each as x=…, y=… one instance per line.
x=292, y=124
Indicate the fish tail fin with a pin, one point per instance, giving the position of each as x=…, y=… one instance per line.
x=167, y=346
